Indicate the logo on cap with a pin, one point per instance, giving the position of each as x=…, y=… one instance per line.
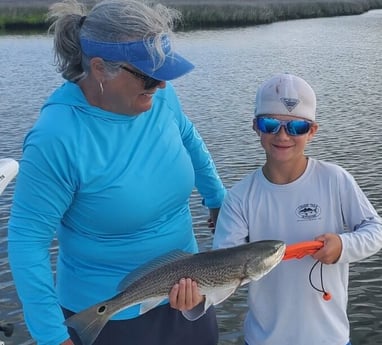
x=290, y=103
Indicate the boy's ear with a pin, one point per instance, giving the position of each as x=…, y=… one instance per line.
x=254, y=127
x=313, y=130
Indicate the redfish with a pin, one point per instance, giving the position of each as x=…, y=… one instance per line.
x=218, y=274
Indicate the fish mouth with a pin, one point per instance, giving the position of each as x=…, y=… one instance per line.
x=272, y=261
x=281, y=252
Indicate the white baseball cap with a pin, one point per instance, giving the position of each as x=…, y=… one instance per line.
x=286, y=94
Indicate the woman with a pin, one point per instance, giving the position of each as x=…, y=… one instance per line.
x=109, y=167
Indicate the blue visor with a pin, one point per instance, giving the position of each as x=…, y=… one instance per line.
x=136, y=54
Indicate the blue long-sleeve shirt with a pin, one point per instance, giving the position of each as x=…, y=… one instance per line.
x=114, y=189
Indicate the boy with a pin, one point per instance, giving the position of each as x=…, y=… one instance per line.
x=295, y=198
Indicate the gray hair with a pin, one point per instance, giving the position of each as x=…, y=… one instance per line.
x=107, y=21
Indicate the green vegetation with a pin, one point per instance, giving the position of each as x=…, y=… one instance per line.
x=198, y=14
x=22, y=18
x=244, y=14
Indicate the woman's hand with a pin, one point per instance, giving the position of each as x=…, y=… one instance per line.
x=185, y=295
x=332, y=249
x=214, y=212
x=67, y=342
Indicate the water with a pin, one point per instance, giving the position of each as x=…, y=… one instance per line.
x=340, y=57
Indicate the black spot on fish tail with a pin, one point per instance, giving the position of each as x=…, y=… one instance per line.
x=89, y=323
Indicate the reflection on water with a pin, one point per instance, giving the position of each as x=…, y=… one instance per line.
x=340, y=57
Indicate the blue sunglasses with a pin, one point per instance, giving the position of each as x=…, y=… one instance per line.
x=269, y=125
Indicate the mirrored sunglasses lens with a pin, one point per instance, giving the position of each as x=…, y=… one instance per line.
x=268, y=125
x=298, y=127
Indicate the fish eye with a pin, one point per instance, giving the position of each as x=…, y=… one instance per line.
x=101, y=310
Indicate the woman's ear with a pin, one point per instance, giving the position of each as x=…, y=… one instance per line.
x=97, y=68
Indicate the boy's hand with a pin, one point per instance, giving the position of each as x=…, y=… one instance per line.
x=332, y=249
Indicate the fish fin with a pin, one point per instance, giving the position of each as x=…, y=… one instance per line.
x=245, y=281
x=150, y=304
x=88, y=323
x=219, y=295
x=151, y=266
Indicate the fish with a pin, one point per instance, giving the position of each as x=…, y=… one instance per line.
x=218, y=273
x=9, y=168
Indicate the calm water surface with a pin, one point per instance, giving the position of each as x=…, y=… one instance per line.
x=340, y=57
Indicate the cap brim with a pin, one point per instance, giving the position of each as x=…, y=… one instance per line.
x=137, y=55
x=173, y=67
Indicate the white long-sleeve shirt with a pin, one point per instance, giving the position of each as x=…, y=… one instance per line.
x=284, y=309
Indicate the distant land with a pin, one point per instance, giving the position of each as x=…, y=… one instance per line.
x=29, y=15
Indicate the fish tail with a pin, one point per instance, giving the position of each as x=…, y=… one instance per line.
x=88, y=324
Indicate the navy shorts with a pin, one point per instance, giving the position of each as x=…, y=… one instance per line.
x=160, y=326
x=346, y=344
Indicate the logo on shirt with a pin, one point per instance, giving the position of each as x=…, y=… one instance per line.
x=308, y=211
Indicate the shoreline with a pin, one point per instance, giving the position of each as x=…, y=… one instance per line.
x=16, y=16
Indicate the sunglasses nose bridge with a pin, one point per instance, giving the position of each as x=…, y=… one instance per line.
x=150, y=83
x=282, y=129
x=280, y=124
